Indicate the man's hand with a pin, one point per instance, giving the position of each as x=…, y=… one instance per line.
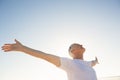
x=17, y=46
x=96, y=60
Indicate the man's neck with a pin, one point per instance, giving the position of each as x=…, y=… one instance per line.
x=79, y=57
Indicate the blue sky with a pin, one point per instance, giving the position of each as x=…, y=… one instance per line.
x=51, y=26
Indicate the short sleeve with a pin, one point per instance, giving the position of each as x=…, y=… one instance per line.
x=65, y=63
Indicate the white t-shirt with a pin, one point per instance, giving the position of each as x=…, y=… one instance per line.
x=78, y=69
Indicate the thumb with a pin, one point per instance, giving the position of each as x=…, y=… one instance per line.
x=17, y=42
x=96, y=59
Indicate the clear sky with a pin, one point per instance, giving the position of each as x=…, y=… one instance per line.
x=51, y=26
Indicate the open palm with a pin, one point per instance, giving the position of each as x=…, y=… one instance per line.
x=12, y=47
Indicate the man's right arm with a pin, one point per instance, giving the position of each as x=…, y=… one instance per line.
x=39, y=54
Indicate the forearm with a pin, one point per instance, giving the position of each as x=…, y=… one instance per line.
x=33, y=52
x=39, y=54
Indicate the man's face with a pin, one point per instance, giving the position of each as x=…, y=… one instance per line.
x=77, y=49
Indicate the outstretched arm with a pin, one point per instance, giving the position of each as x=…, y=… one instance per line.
x=19, y=47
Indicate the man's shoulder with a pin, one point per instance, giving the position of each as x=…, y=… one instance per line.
x=65, y=58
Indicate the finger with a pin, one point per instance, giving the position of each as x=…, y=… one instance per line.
x=95, y=57
x=17, y=41
x=96, y=60
x=7, y=44
x=6, y=47
x=3, y=47
x=7, y=50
